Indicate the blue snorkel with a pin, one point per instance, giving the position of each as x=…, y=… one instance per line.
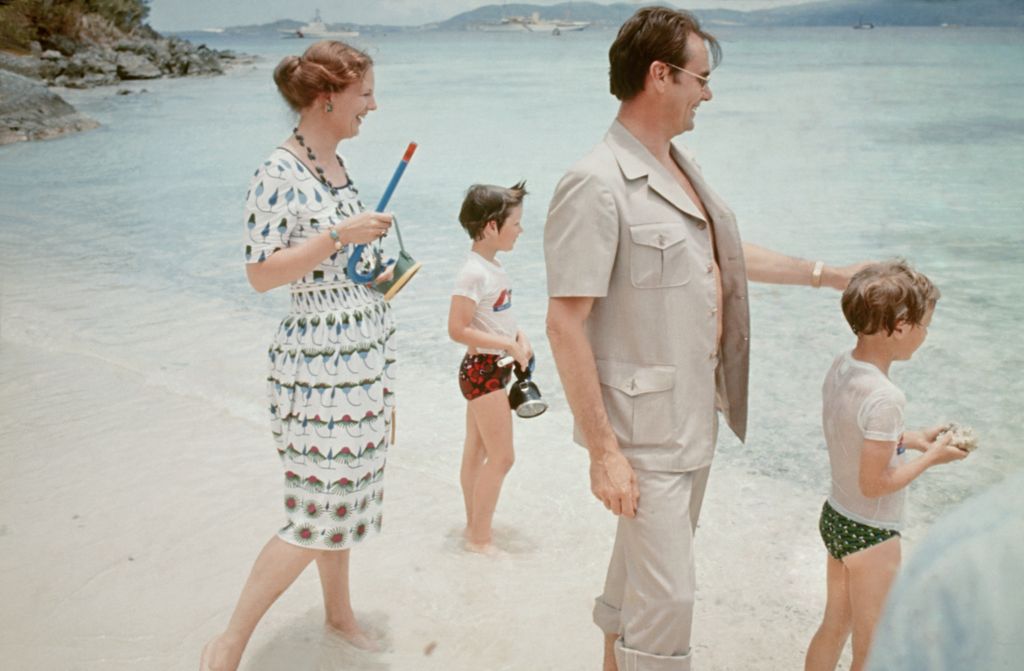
x=357, y=252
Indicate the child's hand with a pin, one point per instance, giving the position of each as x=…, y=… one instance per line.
x=931, y=434
x=523, y=342
x=941, y=451
x=520, y=354
x=920, y=440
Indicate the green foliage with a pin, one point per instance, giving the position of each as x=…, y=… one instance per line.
x=48, y=21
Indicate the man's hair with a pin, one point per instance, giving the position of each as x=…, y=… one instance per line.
x=486, y=202
x=653, y=34
x=883, y=294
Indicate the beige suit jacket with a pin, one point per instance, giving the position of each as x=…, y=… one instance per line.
x=622, y=230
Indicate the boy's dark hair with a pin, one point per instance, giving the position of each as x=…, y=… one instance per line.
x=883, y=294
x=653, y=34
x=486, y=202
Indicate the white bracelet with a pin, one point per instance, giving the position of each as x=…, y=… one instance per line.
x=816, y=274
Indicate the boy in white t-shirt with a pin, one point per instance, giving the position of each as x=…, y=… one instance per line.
x=889, y=306
x=481, y=318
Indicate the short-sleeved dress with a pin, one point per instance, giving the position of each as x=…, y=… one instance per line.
x=331, y=365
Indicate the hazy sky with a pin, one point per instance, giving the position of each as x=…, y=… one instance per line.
x=186, y=14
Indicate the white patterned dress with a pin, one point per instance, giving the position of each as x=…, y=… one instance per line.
x=332, y=365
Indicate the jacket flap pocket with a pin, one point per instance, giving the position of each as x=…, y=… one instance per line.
x=632, y=379
x=658, y=235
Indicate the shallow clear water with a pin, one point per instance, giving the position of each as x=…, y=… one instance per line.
x=124, y=243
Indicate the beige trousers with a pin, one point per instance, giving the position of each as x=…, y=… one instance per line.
x=649, y=592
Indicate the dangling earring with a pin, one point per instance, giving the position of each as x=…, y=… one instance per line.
x=330, y=107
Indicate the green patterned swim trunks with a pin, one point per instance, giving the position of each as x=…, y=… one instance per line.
x=843, y=536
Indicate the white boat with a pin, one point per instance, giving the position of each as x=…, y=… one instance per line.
x=317, y=30
x=532, y=24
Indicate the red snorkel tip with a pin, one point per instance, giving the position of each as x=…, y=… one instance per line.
x=409, y=152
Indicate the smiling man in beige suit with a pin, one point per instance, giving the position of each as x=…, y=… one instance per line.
x=649, y=325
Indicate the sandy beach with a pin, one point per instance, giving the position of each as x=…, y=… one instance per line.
x=132, y=556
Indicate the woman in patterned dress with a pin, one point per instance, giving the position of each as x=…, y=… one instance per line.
x=331, y=362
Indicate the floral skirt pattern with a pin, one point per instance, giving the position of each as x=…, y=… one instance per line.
x=480, y=374
x=331, y=388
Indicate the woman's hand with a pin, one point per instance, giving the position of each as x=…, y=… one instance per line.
x=364, y=227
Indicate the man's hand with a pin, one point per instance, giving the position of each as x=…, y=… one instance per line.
x=838, y=278
x=613, y=482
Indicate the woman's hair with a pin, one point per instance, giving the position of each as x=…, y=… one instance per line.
x=486, y=202
x=883, y=294
x=653, y=34
x=326, y=67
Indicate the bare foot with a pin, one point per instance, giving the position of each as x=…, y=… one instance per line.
x=609, y=653
x=487, y=548
x=218, y=655
x=353, y=634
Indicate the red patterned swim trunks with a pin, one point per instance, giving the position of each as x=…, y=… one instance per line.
x=479, y=374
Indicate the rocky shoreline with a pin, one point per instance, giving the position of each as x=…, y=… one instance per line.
x=29, y=111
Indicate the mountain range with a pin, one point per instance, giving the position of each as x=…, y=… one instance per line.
x=1002, y=13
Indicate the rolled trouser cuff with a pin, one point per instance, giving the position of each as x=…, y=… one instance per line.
x=606, y=617
x=634, y=660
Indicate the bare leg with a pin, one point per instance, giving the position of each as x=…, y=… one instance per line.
x=276, y=567
x=609, y=653
x=472, y=459
x=493, y=418
x=827, y=644
x=871, y=573
x=333, y=568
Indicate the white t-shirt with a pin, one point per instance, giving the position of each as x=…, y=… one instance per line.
x=487, y=285
x=859, y=402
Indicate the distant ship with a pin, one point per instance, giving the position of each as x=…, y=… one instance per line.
x=860, y=25
x=532, y=24
x=317, y=30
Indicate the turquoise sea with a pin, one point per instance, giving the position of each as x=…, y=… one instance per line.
x=124, y=245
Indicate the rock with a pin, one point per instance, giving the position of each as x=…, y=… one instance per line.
x=107, y=55
x=133, y=66
x=30, y=111
x=61, y=43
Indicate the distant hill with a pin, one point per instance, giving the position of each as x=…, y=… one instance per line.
x=826, y=13
x=602, y=16
x=1006, y=13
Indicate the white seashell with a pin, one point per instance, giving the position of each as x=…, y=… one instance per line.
x=961, y=436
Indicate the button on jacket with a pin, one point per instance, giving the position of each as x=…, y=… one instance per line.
x=621, y=229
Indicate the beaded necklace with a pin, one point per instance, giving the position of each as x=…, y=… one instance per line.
x=321, y=175
x=333, y=189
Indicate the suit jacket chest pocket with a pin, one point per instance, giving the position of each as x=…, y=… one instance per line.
x=657, y=255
